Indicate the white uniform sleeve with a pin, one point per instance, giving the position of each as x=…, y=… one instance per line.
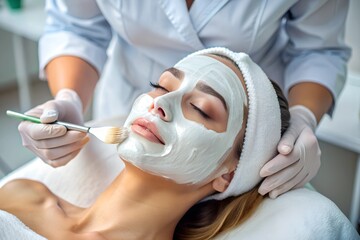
x=75, y=28
x=316, y=51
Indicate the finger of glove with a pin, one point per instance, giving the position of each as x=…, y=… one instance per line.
x=287, y=141
x=278, y=163
x=63, y=160
x=311, y=173
x=50, y=112
x=310, y=143
x=292, y=183
x=69, y=138
x=310, y=153
x=69, y=112
x=279, y=178
x=60, y=152
x=36, y=111
x=37, y=131
x=302, y=183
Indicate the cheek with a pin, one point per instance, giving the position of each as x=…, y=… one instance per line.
x=151, y=94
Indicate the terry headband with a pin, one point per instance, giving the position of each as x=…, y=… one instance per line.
x=263, y=126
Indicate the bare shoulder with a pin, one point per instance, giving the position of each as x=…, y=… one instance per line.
x=23, y=189
x=25, y=185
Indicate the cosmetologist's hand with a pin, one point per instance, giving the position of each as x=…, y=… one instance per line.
x=298, y=160
x=53, y=143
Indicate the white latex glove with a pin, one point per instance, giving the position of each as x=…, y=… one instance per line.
x=298, y=160
x=53, y=143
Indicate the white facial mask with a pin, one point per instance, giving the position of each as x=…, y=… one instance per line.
x=192, y=153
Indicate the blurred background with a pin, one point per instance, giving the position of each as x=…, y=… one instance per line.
x=20, y=89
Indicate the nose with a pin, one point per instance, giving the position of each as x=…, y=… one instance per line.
x=160, y=112
x=156, y=109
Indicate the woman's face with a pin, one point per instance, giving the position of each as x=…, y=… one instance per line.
x=185, y=128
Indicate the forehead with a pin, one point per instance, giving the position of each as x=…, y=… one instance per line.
x=212, y=72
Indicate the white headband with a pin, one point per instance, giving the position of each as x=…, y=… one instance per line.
x=263, y=126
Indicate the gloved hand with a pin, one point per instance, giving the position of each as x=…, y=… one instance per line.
x=53, y=143
x=298, y=160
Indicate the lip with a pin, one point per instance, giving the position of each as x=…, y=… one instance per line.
x=147, y=129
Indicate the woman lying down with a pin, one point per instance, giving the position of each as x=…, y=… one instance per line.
x=192, y=158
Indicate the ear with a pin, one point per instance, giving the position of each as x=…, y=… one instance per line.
x=221, y=183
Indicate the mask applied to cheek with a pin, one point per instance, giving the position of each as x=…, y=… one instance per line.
x=191, y=153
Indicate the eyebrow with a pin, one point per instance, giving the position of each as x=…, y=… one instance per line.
x=176, y=72
x=209, y=90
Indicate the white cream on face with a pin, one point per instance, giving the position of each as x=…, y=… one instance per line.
x=192, y=153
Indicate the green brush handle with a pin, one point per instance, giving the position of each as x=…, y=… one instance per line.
x=23, y=116
x=69, y=126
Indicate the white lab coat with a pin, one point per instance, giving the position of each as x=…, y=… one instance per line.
x=293, y=41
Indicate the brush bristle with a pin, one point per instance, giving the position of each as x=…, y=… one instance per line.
x=111, y=135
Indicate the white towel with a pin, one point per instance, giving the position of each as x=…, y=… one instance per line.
x=12, y=228
x=300, y=214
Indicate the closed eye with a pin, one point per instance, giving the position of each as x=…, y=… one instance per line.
x=158, y=86
x=201, y=112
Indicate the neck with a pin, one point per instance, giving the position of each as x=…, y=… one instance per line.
x=138, y=205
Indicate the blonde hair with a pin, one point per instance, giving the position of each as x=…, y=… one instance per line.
x=208, y=219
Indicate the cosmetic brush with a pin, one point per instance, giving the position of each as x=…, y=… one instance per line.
x=110, y=135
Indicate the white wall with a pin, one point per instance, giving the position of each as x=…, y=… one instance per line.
x=7, y=65
x=352, y=35
x=7, y=68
